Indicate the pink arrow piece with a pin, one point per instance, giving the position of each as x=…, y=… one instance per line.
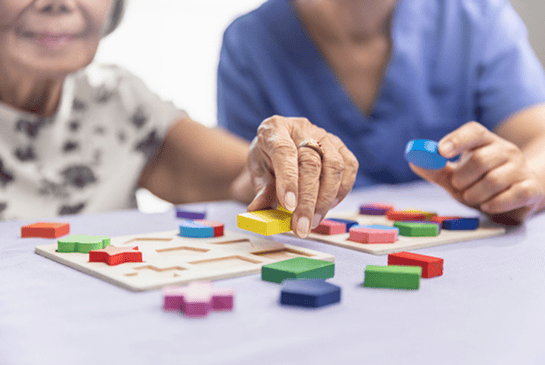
x=198, y=299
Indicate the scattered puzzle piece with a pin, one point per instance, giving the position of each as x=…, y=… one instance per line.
x=440, y=219
x=189, y=214
x=192, y=229
x=431, y=266
x=375, y=208
x=363, y=234
x=297, y=268
x=417, y=229
x=330, y=227
x=45, y=230
x=392, y=277
x=116, y=255
x=198, y=299
x=461, y=224
x=265, y=222
x=82, y=243
x=312, y=293
x=349, y=223
x=217, y=226
x=427, y=215
x=423, y=153
x=396, y=215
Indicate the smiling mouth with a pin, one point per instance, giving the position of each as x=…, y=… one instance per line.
x=51, y=40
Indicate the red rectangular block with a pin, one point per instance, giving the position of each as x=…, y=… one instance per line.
x=371, y=235
x=45, y=230
x=431, y=266
x=330, y=227
x=395, y=215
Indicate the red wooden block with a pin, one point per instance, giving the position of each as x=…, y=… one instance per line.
x=116, y=255
x=218, y=226
x=330, y=227
x=396, y=215
x=45, y=230
x=372, y=235
x=431, y=266
x=440, y=219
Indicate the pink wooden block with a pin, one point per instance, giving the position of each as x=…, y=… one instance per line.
x=371, y=235
x=330, y=227
x=198, y=298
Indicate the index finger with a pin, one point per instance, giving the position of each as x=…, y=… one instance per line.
x=468, y=137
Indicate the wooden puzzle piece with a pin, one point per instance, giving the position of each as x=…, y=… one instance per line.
x=265, y=222
x=397, y=215
x=423, y=153
x=217, y=226
x=376, y=208
x=461, y=224
x=297, y=268
x=417, y=229
x=116, y=255
x=311, y=293
x=363, y=234
x=392, y=277
x=45, y=230
x=82, y=243
x=198, y=299
x=431, y=266
x=189, y=214
x=189, y=228
x=330, y=227
x=349, y=222
x=440, y=219
x=427, y=215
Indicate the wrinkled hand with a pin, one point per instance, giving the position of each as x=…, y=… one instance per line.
x=298, y=178
x=492, y=174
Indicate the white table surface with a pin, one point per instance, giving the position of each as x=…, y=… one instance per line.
x=487, y=308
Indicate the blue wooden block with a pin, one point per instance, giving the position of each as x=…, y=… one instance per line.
x=189, y=214
x=461, y=224
x=309, y=293
x=195, y=230
x=423, y=153
x=349, y=223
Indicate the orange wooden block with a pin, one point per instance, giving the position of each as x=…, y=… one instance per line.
x=116, y=255
x=396, y=215
x=431, y=266
x=45, y=230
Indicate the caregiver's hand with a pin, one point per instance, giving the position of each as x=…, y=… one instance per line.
x=299, y=178
x=492, y=174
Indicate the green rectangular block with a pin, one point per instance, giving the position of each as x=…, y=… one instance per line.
x=416, y=229
x=298, y=268
x=392, y=277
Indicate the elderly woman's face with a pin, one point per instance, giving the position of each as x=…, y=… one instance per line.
x=51, y=37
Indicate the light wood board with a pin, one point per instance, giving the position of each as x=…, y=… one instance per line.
x=403, y=243
x=173, y=260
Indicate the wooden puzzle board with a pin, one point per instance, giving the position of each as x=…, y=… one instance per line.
x=173, y=260
x=403, y=243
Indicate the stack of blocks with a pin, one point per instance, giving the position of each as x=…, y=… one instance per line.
x=200, y=228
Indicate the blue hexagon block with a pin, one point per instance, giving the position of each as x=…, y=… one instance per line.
x=189, y=228
x=312, y=293
x=423, y=153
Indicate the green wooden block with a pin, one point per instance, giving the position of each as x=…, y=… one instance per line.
x=298, y=268
x=82, y=243
x=392, y=277
x=417, y=229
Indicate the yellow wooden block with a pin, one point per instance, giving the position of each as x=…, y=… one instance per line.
x=265, y=222
x=280, y=207
x=427, y=215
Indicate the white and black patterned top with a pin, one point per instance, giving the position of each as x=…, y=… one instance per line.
x=87, y=157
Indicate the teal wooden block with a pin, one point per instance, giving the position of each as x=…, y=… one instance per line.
x=392, y=277
x=297, y=268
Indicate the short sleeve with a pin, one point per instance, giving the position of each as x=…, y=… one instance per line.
x=510, y=77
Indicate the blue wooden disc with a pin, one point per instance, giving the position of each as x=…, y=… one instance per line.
x=423, y=153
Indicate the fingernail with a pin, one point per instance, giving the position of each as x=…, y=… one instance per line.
x=335, y=203
x=290, y=201
x=316, y=220
x=302, y=226
x=447, y=148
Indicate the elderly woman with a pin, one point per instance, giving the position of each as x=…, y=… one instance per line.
x=379, y=73
x=76, y=138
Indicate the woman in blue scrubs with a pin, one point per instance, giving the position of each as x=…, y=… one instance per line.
x=382, y=72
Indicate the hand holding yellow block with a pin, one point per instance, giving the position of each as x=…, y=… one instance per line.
x=265, y=222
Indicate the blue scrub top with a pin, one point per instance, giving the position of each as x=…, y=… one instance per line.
x=452, y=61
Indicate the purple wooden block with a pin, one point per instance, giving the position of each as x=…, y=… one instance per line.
x=187, y=214
x=198, y=298
x=375, y=209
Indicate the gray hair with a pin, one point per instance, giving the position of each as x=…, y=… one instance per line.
x=116, y=14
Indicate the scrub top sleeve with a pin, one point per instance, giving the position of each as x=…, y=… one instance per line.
x=510, y=77
x=241, y=103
